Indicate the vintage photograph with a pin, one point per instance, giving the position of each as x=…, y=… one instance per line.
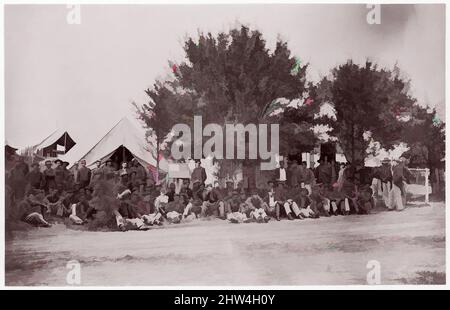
x=224, y=145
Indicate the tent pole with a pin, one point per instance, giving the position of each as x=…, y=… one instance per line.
x=65, y=142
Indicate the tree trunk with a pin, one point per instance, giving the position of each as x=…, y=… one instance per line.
x=353, y=144
x=157, y=160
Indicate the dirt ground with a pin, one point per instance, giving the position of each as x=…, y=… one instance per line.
x=329, y=251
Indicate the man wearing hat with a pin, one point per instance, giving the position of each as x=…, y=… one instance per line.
x=35, y=177
x=49, y=176
x=141, y=174
x=108, y=170
x=272, y=207
x=198, y=176
x=281, y=173
x=67, y=176
x=257, y=207
x=59, y=174
x=17, y=178
x=213, y=202
x=288, y=205
x=97, y=172
x=324, y=172
x=76, y=165
x=124, y=178
x=83, y=175
x=307, y=177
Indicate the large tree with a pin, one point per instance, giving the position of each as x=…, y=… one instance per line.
x=234, y=77
x=159, y=115
x=425, y=135
x=370, y=104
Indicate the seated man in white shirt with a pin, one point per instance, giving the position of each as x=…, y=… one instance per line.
x=272, y=207
x=281, y=176
x=160, y=202
x=257, y=208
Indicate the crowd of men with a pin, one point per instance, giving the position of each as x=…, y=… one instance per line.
x=293, y=192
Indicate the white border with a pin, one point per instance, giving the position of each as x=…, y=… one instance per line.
x=275, y=288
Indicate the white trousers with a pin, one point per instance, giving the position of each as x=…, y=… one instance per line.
x=258, y=213
x=395, y=198
x=36, y=218
x=73, y=216
x=173, y=216
x=152, y=218
x=307, y=212
x=385, y=189
x=334, y=206
x=346, y=205
x=291, y=206
x=238, y=216
x=326, y=204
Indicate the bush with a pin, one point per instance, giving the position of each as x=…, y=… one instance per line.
x=105, y=202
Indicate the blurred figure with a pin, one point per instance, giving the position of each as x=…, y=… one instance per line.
x=17, y=178
x=49, y=177
x=33, y=209
x=35, y=177
x=198, y=176
x=97, y=172
x=59, y=174
x=83, y=175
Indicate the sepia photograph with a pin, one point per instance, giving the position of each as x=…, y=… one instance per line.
x=224, y=145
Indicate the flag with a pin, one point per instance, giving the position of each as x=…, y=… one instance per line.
x=154, y=172
x=309, y=101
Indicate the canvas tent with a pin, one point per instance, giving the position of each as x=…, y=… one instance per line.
x=10, y=153
x=123, y=142
x=9, y=150
x=59, y=142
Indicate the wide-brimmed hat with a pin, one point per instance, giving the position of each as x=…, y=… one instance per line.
x=385, y=160
x=58, y=161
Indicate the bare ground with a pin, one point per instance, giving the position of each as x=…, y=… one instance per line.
x=409, y=245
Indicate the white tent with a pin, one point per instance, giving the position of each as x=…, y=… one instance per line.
x=59, y=142
x=123, y=135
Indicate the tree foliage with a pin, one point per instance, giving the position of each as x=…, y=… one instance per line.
x=235, y=78
x=370, y=103
x=425, y=135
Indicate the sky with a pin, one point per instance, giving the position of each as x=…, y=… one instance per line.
x=84, y=77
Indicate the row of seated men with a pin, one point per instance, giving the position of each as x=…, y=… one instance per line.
x=134, y=209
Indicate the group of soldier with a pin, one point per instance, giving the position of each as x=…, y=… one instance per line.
x=295, y=192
